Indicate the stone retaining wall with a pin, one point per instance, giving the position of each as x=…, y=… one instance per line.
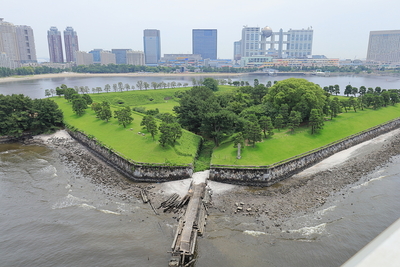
x=135, y=171
x=266, y=176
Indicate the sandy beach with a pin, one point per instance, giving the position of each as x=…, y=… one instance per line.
x=90, y=75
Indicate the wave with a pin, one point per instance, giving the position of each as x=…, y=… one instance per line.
x=254, y=233
x=306, y=231
x=322, y=212
x=367, y=182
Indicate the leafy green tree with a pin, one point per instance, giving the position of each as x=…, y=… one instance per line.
x=266, y=126
x=294, y=120
x=123, y=116
x=217, y=124
x=316, y=120
x=337, y=89
x=348, y=90
x=79, y=105
x=87, y=98
x=47, y=116
x=253, y=132
x=354, y=91
x=146, y=85
x=47, y=92
x=362, y=90
x=68, y=93
x=211, y=83
x=299, y=94
x=353, y=103
x=150, y=125
x=139, y=84
x=284, y=111
x=107, y=88
x=105, y=112
x=256, y=82
x=279, y=122
x=334, y=107
x=385, y=97
x=154, y=85
x=169, y=133
x=394, y=97
x=378, y=90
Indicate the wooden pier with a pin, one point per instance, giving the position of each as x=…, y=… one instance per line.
x=191, y=225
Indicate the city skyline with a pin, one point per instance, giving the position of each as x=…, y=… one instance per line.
x=341, y=28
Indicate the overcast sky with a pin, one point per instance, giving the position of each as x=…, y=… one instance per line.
x=341, y=27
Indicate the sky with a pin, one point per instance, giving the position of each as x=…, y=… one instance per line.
x=341, y=27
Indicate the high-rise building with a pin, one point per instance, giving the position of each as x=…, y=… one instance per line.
x=9, y=43
x=120, y=55
x=204, y=43
x=237, y=50
x=26, y=44
x=384, y=46
x=135, y=58
x=71, y=44
x=106, y=57
x=96, y=55
x=55, y=45
x=265, y=42
x=152, y=46
x=83, y=58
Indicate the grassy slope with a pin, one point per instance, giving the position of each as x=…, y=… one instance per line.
x=128, y=142
x=284, y=145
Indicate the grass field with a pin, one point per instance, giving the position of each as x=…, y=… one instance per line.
x=284, y=144
x=128, y=142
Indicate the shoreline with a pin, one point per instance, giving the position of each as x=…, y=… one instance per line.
x=94, y=75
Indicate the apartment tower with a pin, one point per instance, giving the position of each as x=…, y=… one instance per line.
x=152, y=46
x=71, y=44
x=55, y=45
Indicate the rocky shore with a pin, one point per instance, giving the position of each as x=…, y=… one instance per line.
x=297, y=195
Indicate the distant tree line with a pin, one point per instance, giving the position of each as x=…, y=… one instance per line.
x=20, y=114
x=6, y=72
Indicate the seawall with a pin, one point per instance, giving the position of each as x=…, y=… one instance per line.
x=136, y=171
x=269, y=175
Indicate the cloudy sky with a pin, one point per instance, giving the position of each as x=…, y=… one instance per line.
x=341, y=27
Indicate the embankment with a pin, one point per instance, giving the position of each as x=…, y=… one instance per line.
x=268, y=175
x=136, y=171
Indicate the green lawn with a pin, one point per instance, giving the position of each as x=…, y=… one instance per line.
x=284, y=144
x=128, y=142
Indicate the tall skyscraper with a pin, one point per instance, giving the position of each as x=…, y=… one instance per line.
x=152, y=46
x=204, y=43
x=250, y=41
x=9, y=44
x=26, y=44
x=55, y=45
x=384, y=46
x=71, y=44
x=17, y=45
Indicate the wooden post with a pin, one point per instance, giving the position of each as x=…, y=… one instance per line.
x=238, y=152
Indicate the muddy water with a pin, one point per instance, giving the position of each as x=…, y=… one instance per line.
x=53, y=216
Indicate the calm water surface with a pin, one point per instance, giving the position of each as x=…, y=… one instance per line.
x=36, y=88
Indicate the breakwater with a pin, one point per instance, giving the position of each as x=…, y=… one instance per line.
x=136, y=171
x=271, y=174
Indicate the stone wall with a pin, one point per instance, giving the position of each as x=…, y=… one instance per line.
x=136, y=171
x=268, y=175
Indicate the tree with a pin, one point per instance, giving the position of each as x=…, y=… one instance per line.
x=146, y=85
x=294, y=120
x=337, y=89
x=256, y=82
x=211, y=83
x=68, y=93
x=252, y=132
x=150, y=125
x=139, y=84
x=279, y=122
x=107, y=88
x=120, y=86
x=47, y=116
x=217, y=124
x=316, y=120
x=353, y=103
x=169, y=133
x=105, y=111
x=299, y=94
x=115, y=87
x=266, y=126
x=88, y=99
x=79, y=105
x=127, y=87
x=348, y=90
x=47, y=92
x=334, y=107
x=362, y=90
x=123, y=116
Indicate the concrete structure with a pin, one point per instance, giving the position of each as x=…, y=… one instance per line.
x=265, y=42
x=152, y=46
x=83, y=58
x=382, y=251
x=181, y=59
x=26, y=44
x=237, y=50
x=106, y=57
x=384, y=46
x=71, y=44
x=96, y=55
x=120, y=55
x=55, y=45
x=204, y=43
x=9, y=43
x=135, y=58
